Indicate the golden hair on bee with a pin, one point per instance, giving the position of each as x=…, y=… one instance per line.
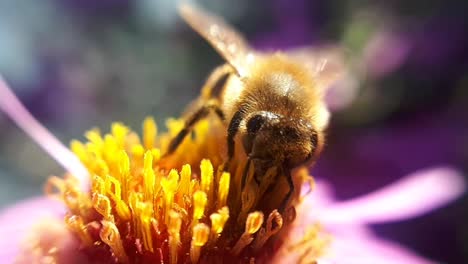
x=271, y=102
x=279, y=76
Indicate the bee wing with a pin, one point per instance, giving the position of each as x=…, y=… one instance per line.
x=326, y=63
x=229, y=43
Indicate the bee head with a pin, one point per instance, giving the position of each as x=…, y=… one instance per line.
x=271, y=138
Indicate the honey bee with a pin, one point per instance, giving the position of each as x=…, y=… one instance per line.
x=273, y=102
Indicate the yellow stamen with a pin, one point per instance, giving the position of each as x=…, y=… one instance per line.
x=143, y=207
x=149, y=177
x=113, y=190
x=174, y=225
x=253, y=223
x=169, y=186
x=77, y=225
x=72, y=199
x=124, y=171
x=138, y=150
x=134, y=201
x=199, y=202
x=264, y=234
x=52, y=183
x=98, y=184
x=200, y=236
x=150, y=131
x=80, y=151
x=102, y=205
x=185, y=177
x=146, y=224
x=111, y=236
x=207, y=178
x=156, y=154
x=218, y=220
x=223, y=189
x=100, y=166
x=119, y=132
x=94, y=137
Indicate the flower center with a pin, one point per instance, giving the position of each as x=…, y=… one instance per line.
x=142, y=208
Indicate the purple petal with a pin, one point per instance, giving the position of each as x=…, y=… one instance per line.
x=10, y=104
x=16, y=221
x=412, y=196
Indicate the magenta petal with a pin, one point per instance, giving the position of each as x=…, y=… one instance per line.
x=351, y=244
x=366, y=249
x=412, y=196
x=11, y=105
x=16, y=221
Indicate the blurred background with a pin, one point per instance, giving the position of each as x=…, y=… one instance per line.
x=78, y=64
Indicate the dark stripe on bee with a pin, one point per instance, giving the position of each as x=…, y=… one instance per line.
x=219, y=85
x=313, y=146
x=314, y=140
x=197, y=116
x=232, y=131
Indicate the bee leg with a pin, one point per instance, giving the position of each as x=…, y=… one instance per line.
x=204, y=111
x=284, y=203
x=233, y=128
x=215, y=83
x=210, y=92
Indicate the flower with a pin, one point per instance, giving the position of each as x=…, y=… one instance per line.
x=353, y=241
x=140, y=209
x=137, y=207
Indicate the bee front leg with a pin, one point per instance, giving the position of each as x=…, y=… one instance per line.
x=202, y=112
x=246, y=173
x=233, y=128
x=216, y=81
x=210, y=93
x=287, y=174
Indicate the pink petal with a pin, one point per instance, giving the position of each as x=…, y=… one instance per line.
x=351, y=244
x=17, y=221
x=367, y=249
x=416, y=194
x=10, y=104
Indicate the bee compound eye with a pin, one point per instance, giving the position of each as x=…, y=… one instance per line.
x=255, y=123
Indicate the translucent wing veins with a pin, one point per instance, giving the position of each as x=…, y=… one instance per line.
x=227, y=41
